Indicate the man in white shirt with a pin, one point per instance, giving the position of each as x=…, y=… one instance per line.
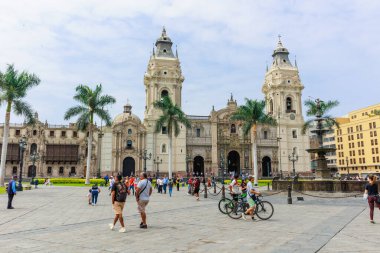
x=251, y=195
x=143, y=192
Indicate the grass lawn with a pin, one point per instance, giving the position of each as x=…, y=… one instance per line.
x=2, y=190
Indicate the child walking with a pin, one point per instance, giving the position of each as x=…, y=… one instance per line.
x=89, y=196
x=170, y=184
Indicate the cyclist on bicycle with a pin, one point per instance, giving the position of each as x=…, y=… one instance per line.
x=251, y=197
x=234, y=187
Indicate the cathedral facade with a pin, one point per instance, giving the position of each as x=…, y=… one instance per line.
x=213, y=141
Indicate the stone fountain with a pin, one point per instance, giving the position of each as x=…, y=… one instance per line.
x=322, y=171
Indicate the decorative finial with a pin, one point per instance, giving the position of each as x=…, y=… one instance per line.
x=232, y=97
x=279, y=38
x=213, y=108
x=279, y=43
x=295, y=61
x=176, y=51
x=163, y=32
x=267, y=66
x=154, y=53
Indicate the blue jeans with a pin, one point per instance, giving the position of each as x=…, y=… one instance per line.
x=94, y=197
x=165, y=188
x=170, y=191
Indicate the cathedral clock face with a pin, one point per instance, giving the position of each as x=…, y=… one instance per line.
x=292, y=116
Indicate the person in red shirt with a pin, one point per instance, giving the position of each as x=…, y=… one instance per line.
x=132, y=184
x=189, y=185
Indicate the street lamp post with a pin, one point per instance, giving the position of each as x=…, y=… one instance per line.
x=293, y=158
x=157, y=162
x=22, y=146
x=100, y=136
x=222, y=169
x=348, y=168
x=144, y=155
x=188, y=159
x=34, y=157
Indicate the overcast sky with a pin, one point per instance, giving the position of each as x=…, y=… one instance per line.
x=223, y=47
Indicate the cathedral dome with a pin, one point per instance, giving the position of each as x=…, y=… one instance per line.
x=126, y=115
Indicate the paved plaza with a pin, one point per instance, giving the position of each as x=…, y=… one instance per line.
x=59, y=219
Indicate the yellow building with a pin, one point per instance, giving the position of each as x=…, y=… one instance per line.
x=357, y=142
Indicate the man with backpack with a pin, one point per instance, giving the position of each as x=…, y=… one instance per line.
x=11, y=191
x=119, y=194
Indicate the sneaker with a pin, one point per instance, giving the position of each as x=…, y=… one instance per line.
x=372, y=221
x=243, y=215
x=144, y=226
x=122, y=230
x=112, y=226
x=253, y=218
x=11, y=207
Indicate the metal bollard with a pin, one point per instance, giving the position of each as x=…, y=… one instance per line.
x=214, y=187
x=205, y=192
x=268, y=186
x=223, y=192
x=289, y=194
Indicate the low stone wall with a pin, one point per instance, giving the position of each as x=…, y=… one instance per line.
x=321, y=185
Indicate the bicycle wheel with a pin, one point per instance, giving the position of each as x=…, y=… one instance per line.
x=264, y=210
x=222, y=205
x=236, y=210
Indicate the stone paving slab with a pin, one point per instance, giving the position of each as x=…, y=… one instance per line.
x=58, y=219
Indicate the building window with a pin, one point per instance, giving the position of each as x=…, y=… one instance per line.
x=233, y=129
x=75, y=134
x=14, y=170
x=73, y=171
x=370, y=125
x=63, y=134
x=265, y=134
x=129, y=131
x=33, y=148
x=289, y=104
x=271, y=106
x=49, y=170
x=198, y=132
x=164, y=130
x=294, y=134
x=163, y=149
x=51, y=134
x=129, y=144
x=17, y=132
x=164, y=93
x=60, y=170
x=34, y=132
x=374, y=124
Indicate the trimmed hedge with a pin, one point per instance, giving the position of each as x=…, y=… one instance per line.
x=263, y=181
x=98, y=181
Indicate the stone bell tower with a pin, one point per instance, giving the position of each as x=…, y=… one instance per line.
x=163, y=78
x=283, y=94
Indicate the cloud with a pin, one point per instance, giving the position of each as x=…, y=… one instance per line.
x=223, y=47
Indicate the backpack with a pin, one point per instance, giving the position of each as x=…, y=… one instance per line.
x=9, y=188
x=121, y=192
x=197, y=183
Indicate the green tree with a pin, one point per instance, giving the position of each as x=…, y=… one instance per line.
x=319, y=109
x=171, y=118
x=252, y=114
x=13, y=89
x=91, y=103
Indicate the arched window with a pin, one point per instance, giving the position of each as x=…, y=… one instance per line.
x=289, y=104
x=129, y=131
x=163, y=149
x=164, y=93
x=61, y=170
x=33, y=148
x=271, y=106
x=129, y=144
x=233, y=129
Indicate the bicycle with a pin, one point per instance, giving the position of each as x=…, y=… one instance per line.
x=225, y=204
x=264, y=209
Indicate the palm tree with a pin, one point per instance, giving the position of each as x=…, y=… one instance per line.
x=252, y=114
x=13, y=88
x=171, y=118
x=319, y=109
x=91, y=103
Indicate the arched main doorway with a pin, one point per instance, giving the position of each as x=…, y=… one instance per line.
x=32, y=171
x=198, y=165
x=266, y=166
x=233, y=162
x=128, y=167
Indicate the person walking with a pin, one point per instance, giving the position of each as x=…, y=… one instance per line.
x=143, y=192
x=189, y=185
x=160, y=184
x=119, y=194
x=106, y=179
x=170, y=185
x=112, y=181
x=11, y=191
x=178, y=181
x=132, y=184
x=95, y=190
x=165, y=183
x=251, y=197
x=371, y=193
x=197, y=185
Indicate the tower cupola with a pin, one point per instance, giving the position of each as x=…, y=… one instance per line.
x=164, y=45
x=280, y=55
